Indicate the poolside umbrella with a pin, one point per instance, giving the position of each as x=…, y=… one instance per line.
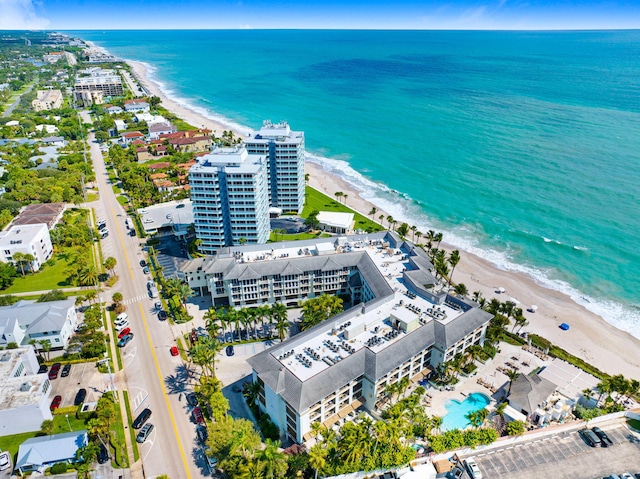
x=501, y=289
x=533, y=308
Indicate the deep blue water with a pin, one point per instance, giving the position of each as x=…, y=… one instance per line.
x=523, y=147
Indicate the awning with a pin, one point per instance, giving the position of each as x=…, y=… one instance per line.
x=443, y=465
x=331, y=421
x=345, y=411
x=306, y=437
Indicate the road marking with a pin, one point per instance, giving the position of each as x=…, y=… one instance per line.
x=164, y=392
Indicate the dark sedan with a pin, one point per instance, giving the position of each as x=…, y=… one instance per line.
x=125, y=340
x=162, y=315
x=53, y=372
x=80, y=397
x=66, y=369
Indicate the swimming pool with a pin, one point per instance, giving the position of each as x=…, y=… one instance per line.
x=457, y=411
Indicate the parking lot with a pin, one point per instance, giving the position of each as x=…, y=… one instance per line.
x=564, y=456
x=82, y=375
x=170, y=254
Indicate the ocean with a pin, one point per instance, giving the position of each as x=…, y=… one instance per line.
x=521, y=147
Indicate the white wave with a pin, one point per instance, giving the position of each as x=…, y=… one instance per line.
x=581, y=248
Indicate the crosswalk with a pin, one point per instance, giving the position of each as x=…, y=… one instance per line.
x=135, y=299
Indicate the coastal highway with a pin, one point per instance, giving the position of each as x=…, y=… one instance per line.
x=154, y=378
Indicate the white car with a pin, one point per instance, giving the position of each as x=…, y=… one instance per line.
x=5, y=460
x=473, y=468
x=121, y=317
x=122, y=325
x=626, y=475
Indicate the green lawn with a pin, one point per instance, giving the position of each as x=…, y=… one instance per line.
x=292, y=237
x=132, y=431
x=315, y=200
x=48, y=278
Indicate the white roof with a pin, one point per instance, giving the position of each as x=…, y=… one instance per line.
x=167, y=214
x=571, y=381
x=335, y=219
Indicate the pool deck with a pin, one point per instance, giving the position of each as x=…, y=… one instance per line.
x=490, y=374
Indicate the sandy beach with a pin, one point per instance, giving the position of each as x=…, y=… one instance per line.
x=590, y=337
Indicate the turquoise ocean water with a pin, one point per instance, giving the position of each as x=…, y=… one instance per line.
x=522, y=147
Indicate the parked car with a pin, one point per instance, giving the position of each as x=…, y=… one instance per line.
x=125, y=340
x=590, y=437
x=162, y=315
x=43, y=368
x=122, y=317
x=143, y=263
x=103, y=454
x=158, y=305
x=625, y=475
x=66, y=369
x=198, y=418
x=230, y=351
x=80, y=397
x=124, y=332
x=55, y=404
x=201, y=432
x=174, y=350
x=145, y=270
x=144, y=433
x=142, y=418
x=150, y=284
x=473, y=468
x=53, y=372
x=122, y=326
x=604, y=439
x=192, y=399
x=5, y=460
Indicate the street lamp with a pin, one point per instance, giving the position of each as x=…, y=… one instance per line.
x=68, y=423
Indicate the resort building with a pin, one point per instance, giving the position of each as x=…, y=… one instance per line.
x=24, y=394
x=25, y=321
x=26, y=239
x=47, y=100
x=230, y=198
x=285, y=154
x=398, y=322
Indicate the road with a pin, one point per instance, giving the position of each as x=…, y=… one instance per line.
x=154, y=378
x=11, y=107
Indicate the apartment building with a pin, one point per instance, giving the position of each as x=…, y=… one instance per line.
x=397, y=323
x=108, y=82
x=285, y=151
x=230, y=198
x=24, y=394
x=47, y=100
x=26, y=239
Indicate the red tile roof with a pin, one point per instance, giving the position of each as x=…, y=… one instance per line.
x=159, y=166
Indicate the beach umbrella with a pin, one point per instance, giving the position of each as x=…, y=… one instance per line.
x=501, y=289
x=533, y=308
x=514, y=301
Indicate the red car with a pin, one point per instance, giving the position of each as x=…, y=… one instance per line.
x=174, y=351
x=124, y=332
x=198, y=418
x=53, y=372
x=55, y=404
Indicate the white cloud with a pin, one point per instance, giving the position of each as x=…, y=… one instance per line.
x=20, y=15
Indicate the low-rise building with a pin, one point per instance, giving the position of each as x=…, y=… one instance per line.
x=106, y=81
x=31, y=240
x=52, y=57
x=27, y=321
x=136, y=106
x=47, y=213
x=173, y=217
x=157, y=129
x=120, y=125
x=45, y=451
x=335, y=222
x=396, y=324
x=24, y=394
x=47, y=100
x=114, y=110
x=130, y=136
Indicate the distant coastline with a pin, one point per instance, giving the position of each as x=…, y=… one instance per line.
x=591, y=337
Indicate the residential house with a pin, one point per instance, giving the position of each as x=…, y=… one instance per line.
x=24, y=394
x=44, y=451
x=113, y=110
x=26, y=239
x=128, y=137
x=159, y=166
x=136, y=106
x=25, y=321
x=47, y=100
x=157, y=129
x=120, y=125
x=53, y=140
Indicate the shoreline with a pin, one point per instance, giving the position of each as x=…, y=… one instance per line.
x=591, y=337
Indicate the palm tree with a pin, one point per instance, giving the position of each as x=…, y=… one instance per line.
x=454, y=259
x=373, y=211
x=88, y=276
x=184, y=292
x=431, y=237
x=203, y=354
x=436, y=423
x=438, y=238
x=476, y=418
x=338, y=195
x=19, y=260
x=419, y=234
x=318, y=458
x=460, y=288
x=604, y=388
x=381, y=218
x=117, y=297
x=413, y=231
x=251, y=469
x=110, y=264
x=512, y=374
x=345, y=196
x=275, y=461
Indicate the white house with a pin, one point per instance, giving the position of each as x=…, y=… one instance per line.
x=335, y=222
x=157, y=129
x=24, y=321
x=136, y=106
x=120, y=125
x=26, y=239
x=24, y=394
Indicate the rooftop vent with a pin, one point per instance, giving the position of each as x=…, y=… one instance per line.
x=24, y=387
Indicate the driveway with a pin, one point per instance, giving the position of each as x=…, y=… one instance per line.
x=564, y=456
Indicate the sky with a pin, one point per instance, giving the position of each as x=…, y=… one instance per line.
x=329, y=14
